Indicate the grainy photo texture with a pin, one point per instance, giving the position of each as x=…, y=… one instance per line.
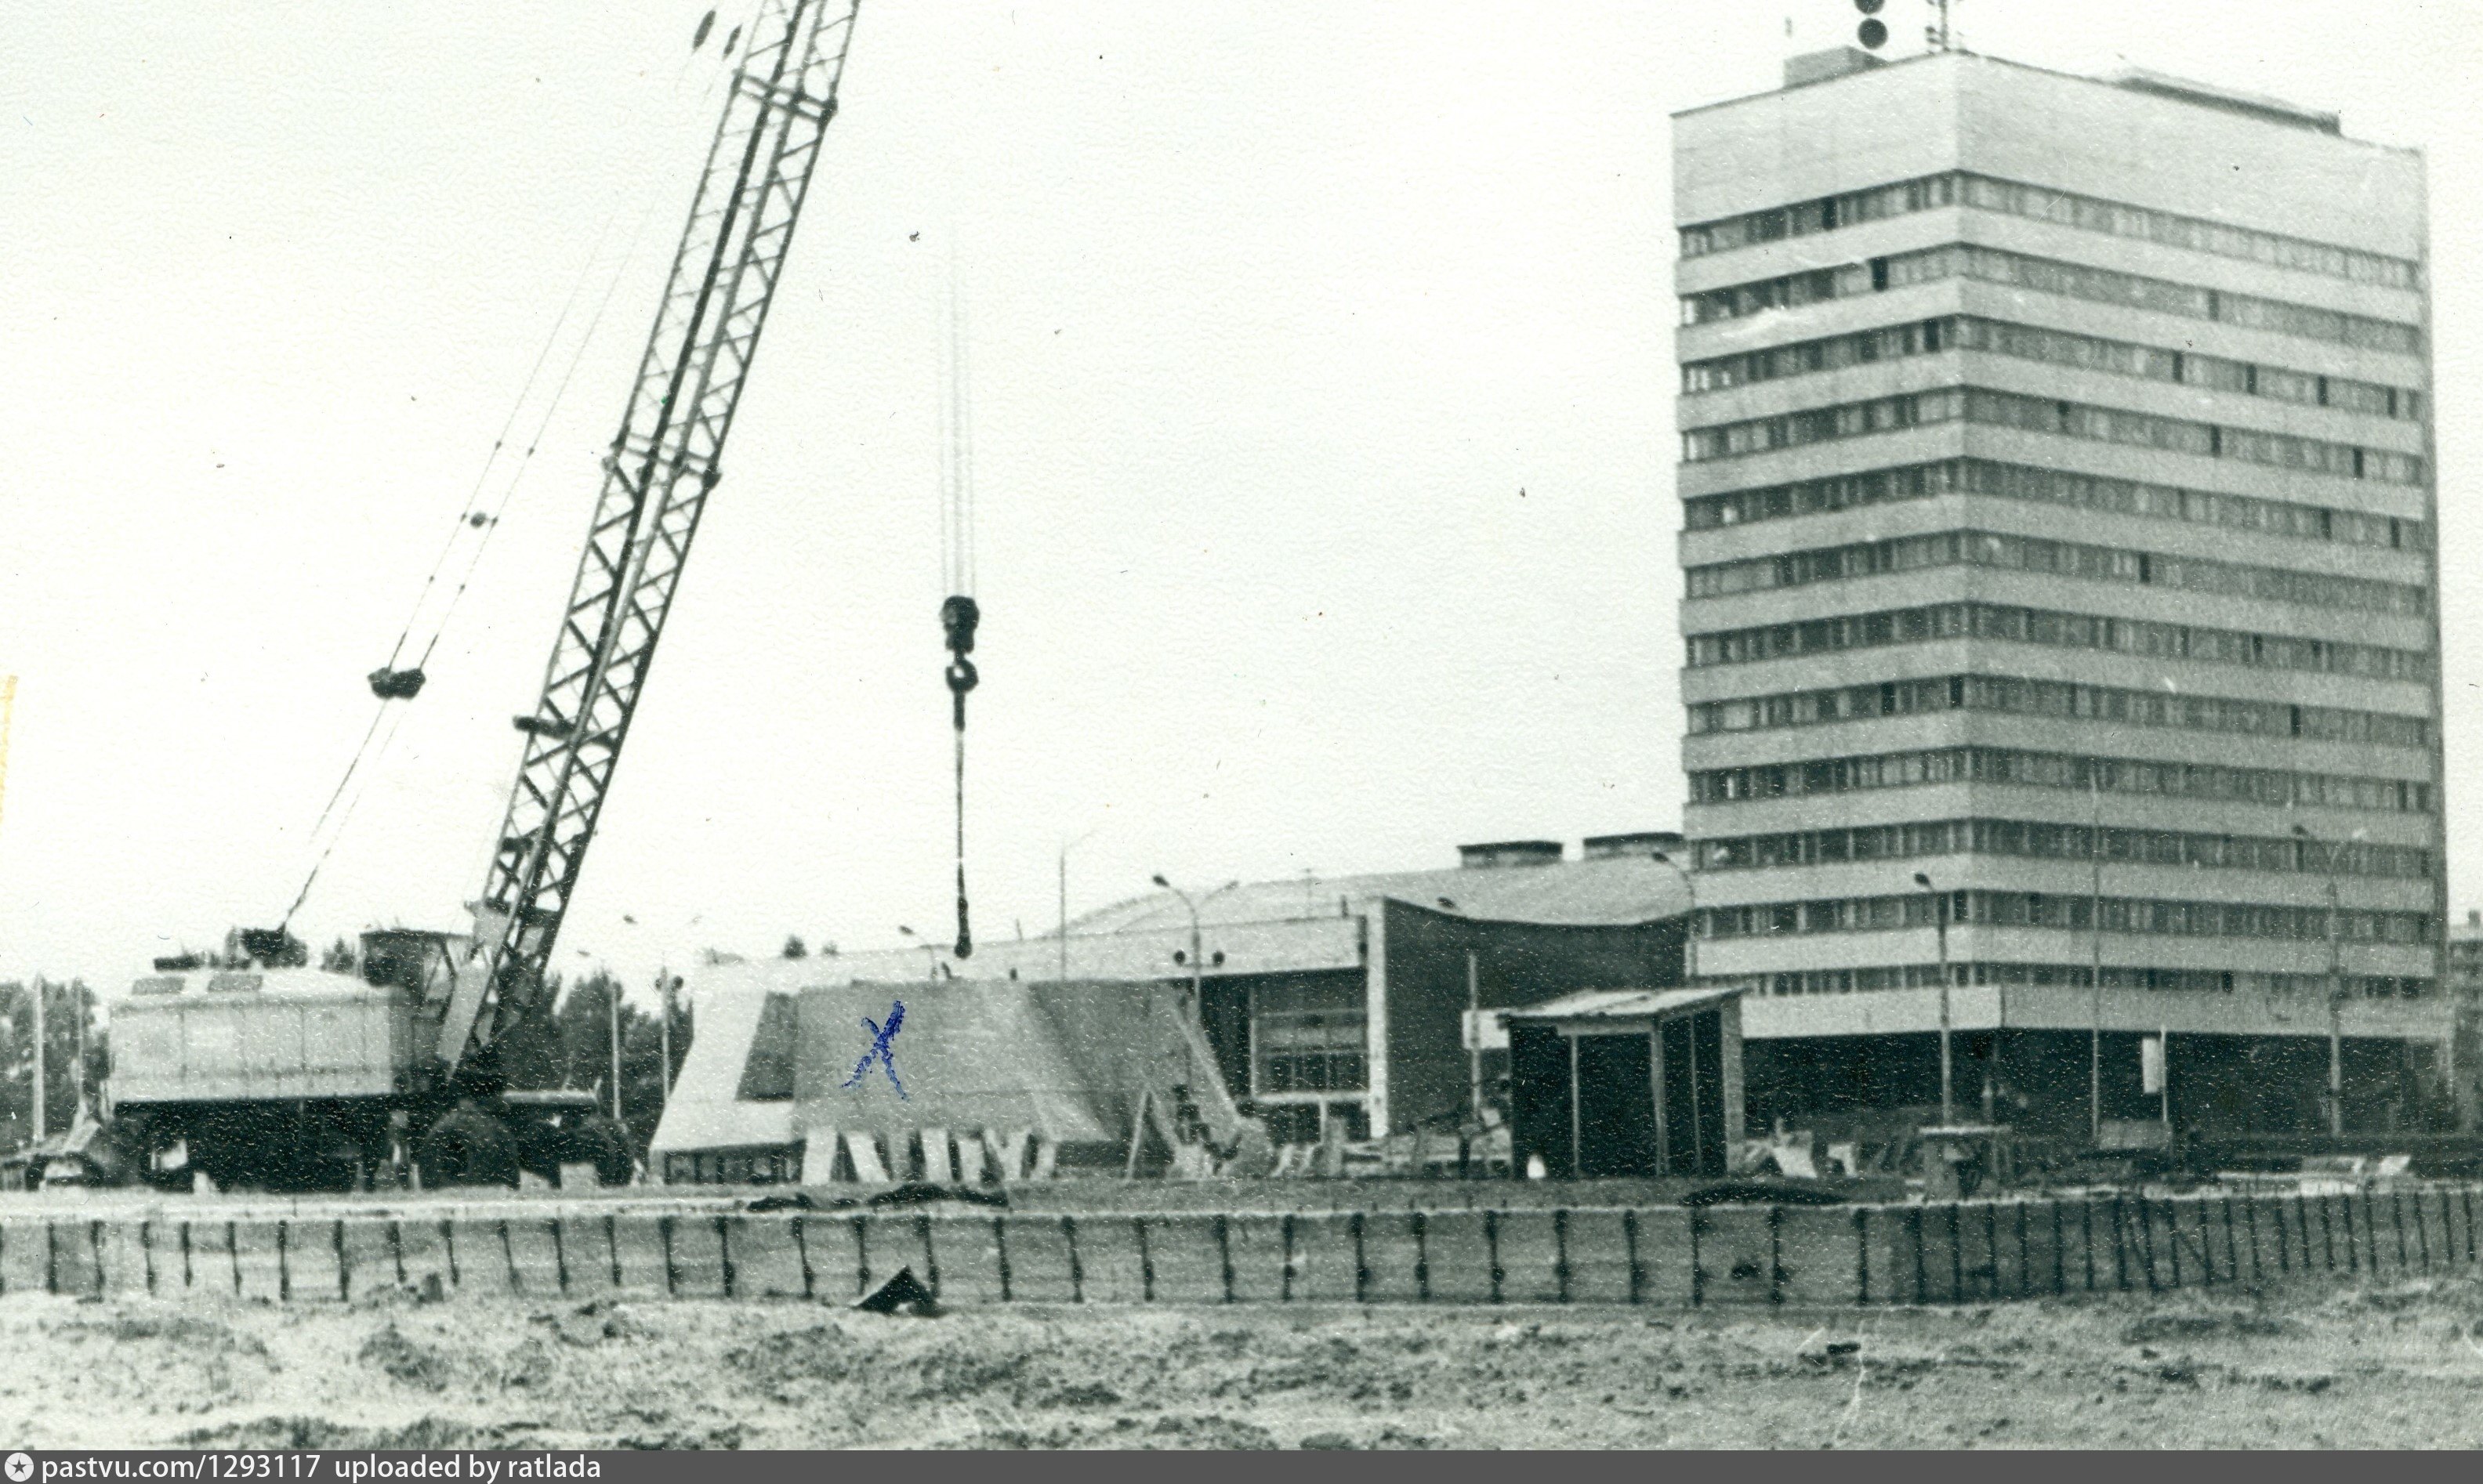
x=1614, y=727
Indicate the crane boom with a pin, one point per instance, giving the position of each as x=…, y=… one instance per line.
x=657, y=478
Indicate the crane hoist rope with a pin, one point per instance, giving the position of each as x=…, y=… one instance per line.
x=389, y=682
x=959, y=613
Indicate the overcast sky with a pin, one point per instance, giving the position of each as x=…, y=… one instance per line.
x=1321, y=361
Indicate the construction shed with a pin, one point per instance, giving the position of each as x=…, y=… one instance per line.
x=1627, y=1082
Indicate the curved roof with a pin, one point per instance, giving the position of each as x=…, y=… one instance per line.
x=1603, y=891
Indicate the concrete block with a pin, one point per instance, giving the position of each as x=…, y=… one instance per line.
x=937, y=1167
x=1736, y=1255
x=1458, y=1252
x=1815, y=1256
x=588, y=1246
x=862, y=1152
x=537, y=1255
x=1108, y=1254
x=1663, y=1255
x=640, y=1243
x=766, y=1258
x=1324, y=1269
x=311, y=1265
x=264, y=1265
x=373, y=1260
x=1390, y=1253
x=1007, y=1149
x=1189, y=1268
x=839, y=1248
x=1045, y=1258
x=697, y=1254
x=426, y=1247
x=25, y=1257
x=968, y=1248
x=1598, y=1257
x=486, y=1258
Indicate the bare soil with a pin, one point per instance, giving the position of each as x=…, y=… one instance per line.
x=2397, y=1365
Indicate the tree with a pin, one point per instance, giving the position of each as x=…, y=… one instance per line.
x=338, y=958
x=64, y=1004
x=793, y=948
x=583, y=1035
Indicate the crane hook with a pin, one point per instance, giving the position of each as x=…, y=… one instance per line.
x=959, y=614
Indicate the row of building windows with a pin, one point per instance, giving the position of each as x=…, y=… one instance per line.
x=2054, y=486
x=2035, y=839
x=2053, y=558
x=1309, y=1050
x=2057, y=699
x=2071, y=911
x=2045, y=415
x=2196, y=981
x=2043, y=204
x=2048, y=276
x=2018, y=768
x=2054, y=347
x=2053, y=629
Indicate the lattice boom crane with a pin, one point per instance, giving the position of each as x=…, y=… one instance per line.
x=656, y=479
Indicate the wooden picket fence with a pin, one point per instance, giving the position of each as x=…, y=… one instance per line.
x=1794, y=1255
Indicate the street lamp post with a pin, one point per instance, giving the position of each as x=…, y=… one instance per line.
x=2336, y=994
x=1940, y=920
x=1197, y=969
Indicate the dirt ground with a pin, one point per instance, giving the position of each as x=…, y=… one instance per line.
x=2396, y=1365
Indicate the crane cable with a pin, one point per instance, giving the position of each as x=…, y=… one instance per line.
x=959, y=613
x=387, y=683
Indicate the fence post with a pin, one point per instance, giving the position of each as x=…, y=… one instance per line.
x=1361, y=1266
x=146, y=1252
x=1285, y=1292
x=1914, y=1229
x=1147, y=1259
x=1561, y=1254
x=1491, y=1245
x=1775, y=1255
x=1078, y=1272
x=1423, y=1256
x=1224, y=1253
x=802, y=1254
x=862, y=1256
x=1000, y=1243
x=1697, y=1268
x=1629, y=1241
x=1861, y=1256
x=1956, y=1255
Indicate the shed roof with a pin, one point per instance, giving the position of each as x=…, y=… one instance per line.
x=1623, y=1004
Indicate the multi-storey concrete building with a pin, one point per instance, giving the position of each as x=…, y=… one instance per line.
x=2058, y=540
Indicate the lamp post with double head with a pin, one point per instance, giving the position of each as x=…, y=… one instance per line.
x=2335, y=987
x=1197, y=969
x=1939, y=923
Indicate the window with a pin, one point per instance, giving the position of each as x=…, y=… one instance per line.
x=1309, y=1050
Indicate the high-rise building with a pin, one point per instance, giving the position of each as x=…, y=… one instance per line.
x=2061, y=590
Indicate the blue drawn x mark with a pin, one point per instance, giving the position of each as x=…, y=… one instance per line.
x=881, y=1036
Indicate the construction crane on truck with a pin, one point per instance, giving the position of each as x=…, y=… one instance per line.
x=256, y=1068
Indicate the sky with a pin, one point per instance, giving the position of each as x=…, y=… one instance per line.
x=1320, y=364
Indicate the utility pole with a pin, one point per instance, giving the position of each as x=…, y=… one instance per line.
x=1939, y=919
x=42, y=1080
x=612, y=1019
x=2336, y=988
x=1474, y=1035
x=666, y=983
x=2094, y=970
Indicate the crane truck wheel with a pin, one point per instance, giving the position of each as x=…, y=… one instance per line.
x=468, y=1147
x=607, y=1144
